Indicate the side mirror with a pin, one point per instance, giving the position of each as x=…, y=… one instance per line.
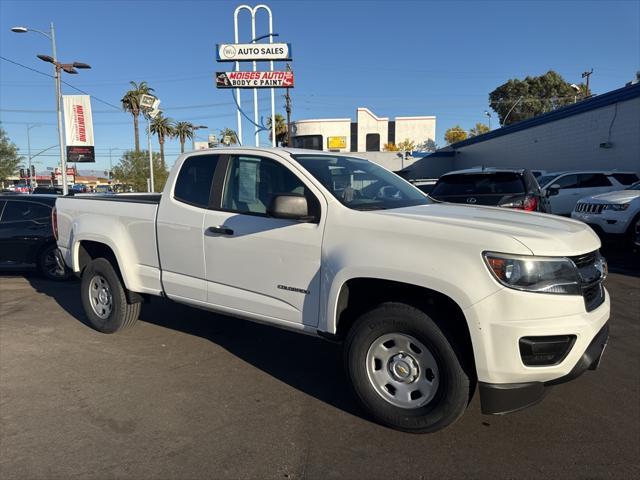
x=553, y=190
x=290, y=207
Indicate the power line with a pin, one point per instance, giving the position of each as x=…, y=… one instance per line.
x=66, y=83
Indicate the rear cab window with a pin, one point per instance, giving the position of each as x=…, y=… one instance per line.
x=479, y=184
x=193, y=185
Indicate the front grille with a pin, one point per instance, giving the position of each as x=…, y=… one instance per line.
x=589, y=207
x=585, y=260
x=591, y=279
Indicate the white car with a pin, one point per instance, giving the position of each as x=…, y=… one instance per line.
x=429, y=299
x=613, y=212
x=564, y=189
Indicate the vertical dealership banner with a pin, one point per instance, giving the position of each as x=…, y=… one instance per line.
x=78, y=126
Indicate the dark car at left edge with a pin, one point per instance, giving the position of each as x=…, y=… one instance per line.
x=26, y=234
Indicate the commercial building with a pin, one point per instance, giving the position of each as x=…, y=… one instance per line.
x=369, y=133
x=602, y=132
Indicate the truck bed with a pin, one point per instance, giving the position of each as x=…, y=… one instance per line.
x=124, y=222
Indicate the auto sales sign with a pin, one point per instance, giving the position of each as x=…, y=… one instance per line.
x=245, y=52
x=254, y=79
x=78, y=126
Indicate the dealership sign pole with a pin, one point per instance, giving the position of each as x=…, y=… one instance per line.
x=254, y=52
x=78, y=129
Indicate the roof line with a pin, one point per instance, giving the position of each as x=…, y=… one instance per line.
x=593, y=103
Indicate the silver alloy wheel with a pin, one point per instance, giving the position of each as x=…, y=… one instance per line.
x=100, y=296
x=53, y=264
x=402, y=370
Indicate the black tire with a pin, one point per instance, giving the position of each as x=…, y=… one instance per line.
x=454, y=388
x=630, y=234
x=51, y=265
x=116, y=313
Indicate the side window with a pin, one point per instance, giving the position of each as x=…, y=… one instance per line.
x=252, y=182
x=591, y=180
x=23, y=211
x=194, y=180
x=568, y=181
x=626, y=178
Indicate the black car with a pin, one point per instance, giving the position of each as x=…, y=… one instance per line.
x=26, y=234
x=47, y=190
x=509, y=188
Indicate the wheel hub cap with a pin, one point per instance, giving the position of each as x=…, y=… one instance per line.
x=402, y=370
x=100, y=296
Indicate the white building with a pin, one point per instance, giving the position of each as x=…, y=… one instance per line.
x=369, y=133
x=602, y=132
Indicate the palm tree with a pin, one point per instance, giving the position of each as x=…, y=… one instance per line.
x=163, y=128
x=281, y=128
x=131, y=103
x=229, y=132
x=184, y=131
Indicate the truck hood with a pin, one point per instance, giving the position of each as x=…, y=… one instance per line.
x=621, y=196
x=543, y=234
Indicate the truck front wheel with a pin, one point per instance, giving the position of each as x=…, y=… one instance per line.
x=104, y=299
x=404, y=370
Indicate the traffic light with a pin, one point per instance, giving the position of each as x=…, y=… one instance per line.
x=22, y=175
x=33, y=171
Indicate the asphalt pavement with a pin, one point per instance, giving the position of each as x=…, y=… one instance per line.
x=189, y=394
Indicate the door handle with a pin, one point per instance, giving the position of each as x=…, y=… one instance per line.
x=219, y=230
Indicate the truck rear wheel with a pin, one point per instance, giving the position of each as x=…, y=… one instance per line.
x=104, y=299
x=405, y=371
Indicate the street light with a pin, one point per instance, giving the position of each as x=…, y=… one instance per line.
x=488, y=115
x=58, y=67
x=29, y=127
x=193, y=138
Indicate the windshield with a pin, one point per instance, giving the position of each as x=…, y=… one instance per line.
x=478, y=184
x=544, y=179
x=360, y=184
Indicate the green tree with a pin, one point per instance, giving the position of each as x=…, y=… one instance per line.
x=406, y=146
x=479, y=129
x=133, y=169
x=131, y=103
x=455, y=134
x=428, y=146
x=229, y=132
x=9, y=158
x=390, y=147
x=183, y=131
x=281, y=129
x=163, y=128
x=518, y=100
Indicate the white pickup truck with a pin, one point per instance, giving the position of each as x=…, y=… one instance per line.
x=430, y=299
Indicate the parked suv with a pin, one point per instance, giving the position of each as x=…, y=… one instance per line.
x=509, y=188
x=566, y=188
x=612, y=213
x=26, y=234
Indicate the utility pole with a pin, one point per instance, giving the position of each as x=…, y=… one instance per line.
x=587, y=75
x=288, y=109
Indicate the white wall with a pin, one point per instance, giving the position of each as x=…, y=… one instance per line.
x=416, y=129
x=369, y=123
x=567, y=144
x=389, y=160
x=330, y=127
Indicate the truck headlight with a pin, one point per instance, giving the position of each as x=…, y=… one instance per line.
x=616, y=207
x=535, y=274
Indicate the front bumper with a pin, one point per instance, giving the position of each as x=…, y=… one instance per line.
x=614, y=223
x=504, y=398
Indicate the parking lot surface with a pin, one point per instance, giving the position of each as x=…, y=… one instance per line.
x=190, y=394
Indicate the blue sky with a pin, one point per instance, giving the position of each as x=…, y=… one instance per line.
x=396, y=58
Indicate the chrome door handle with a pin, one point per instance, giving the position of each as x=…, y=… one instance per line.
x=219, y=230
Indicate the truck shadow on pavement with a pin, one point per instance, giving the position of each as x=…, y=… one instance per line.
x=308, y=364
